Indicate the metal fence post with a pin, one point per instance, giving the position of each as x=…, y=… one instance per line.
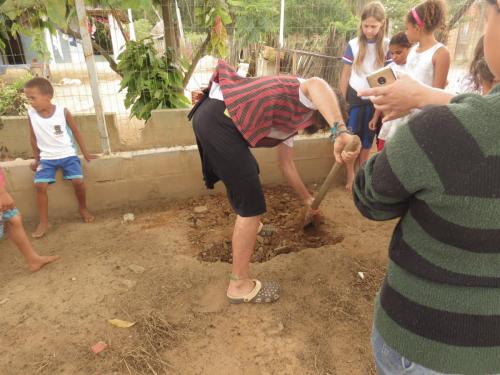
x=91, y=67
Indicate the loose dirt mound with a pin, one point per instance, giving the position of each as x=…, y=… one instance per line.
x=212, y=220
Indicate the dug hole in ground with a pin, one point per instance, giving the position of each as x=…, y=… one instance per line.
x=167, y=270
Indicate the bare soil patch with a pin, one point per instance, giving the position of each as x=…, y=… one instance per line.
x=150, y=271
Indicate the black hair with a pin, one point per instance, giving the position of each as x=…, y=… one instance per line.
x=400, y=39
x=431, y=12
x=43, y=85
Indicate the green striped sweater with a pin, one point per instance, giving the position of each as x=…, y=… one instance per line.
x=439, y=305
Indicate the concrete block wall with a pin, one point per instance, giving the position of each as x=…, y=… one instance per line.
x=15, y=134
x=129, y=179
x=168, y=128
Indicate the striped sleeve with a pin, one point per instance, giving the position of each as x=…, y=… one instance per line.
x=378, y=193
x=348, y=56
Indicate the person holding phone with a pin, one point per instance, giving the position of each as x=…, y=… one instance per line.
x=438, y=309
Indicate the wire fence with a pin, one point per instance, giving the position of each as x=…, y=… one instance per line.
x=313, y=46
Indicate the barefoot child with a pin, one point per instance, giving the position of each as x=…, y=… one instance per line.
x=399, y=46
x=52, y=131
x=10, y=220
x=363, y=55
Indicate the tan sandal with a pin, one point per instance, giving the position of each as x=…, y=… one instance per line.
x=263, y=292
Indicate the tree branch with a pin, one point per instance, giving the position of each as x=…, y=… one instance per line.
x=196, y=58
x=97, y=47
x=443, y=35
x=115, y=16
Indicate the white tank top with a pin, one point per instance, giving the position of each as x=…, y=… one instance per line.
x=53, y=136
x=419, y=64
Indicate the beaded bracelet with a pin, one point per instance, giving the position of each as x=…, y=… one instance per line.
x=335, y=133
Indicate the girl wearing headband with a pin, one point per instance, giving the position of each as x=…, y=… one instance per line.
x=429, y=60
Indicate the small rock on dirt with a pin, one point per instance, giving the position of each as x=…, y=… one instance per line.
x=136, y=268
x=128, y=283
x=128, y=218
x=200, y=209
x=99, y=347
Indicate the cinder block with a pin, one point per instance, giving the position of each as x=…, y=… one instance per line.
x=160, y=163
x=168, y=128
x=108, y=169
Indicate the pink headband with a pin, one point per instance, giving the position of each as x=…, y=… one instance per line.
x=417, y=18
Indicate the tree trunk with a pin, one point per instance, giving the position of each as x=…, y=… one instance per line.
x=168, y=28
x=197, y=57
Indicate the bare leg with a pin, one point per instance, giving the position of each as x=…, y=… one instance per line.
x=18, y=236
x=82, y=200
x=350, y=174
x=244, y=237
x=42, y=201
x=364, y=155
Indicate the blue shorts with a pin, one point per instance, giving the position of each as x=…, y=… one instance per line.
x=6, y=216
x=46, y=171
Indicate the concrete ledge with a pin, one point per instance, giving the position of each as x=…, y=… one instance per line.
x=15, y=134
x=141, y=177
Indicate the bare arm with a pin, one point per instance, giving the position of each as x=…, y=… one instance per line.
x=324, y=99
x=344, y=79
x=78, y=136
x=34, y=145
x=289, y=171
x=373, y=122
x=397, y=99
x=441, y=60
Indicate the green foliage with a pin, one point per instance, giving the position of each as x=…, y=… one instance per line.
x=151, y=81
x=142, y=29
x=31, y=17
x=214, y=16
x=309, y=18
x=255, y=20
x=12, y=99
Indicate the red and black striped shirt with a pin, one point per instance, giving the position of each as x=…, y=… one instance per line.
x=256, y=105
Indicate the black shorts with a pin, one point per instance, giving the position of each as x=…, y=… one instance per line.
x=225, y=156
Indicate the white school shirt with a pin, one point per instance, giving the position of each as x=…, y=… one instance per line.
x=358, y=80
x=216, y=93
x=419, y=64
x=53, y=136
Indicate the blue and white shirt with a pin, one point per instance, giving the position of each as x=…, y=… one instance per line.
x=358, y=77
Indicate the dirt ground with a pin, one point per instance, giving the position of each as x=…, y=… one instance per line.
x=163, y=271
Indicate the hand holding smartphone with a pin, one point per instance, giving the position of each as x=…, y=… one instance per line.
x=381, y=77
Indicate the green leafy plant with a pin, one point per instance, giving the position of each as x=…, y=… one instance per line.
x=152, y=81
x=142, y=28
x=12, y=99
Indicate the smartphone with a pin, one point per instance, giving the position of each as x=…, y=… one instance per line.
x=381, y=77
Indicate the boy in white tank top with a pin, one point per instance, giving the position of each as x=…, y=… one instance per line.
x=52, y=132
